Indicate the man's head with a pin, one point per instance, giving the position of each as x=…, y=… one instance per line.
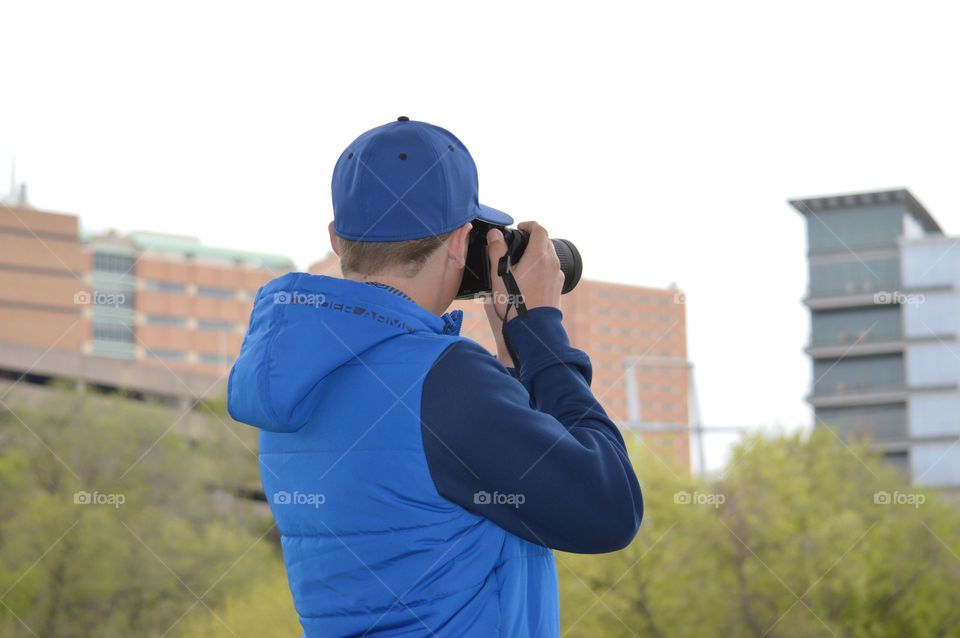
x=429, y=269
x=404, y=195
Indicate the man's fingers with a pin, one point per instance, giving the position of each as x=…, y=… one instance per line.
x=496, y=247
x=533, y=228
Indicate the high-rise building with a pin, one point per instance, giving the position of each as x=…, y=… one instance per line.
x=636, y=339
x=885, y=317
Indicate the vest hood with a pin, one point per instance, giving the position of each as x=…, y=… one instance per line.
x=304, y=327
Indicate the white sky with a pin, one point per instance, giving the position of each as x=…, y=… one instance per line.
x=662, y=138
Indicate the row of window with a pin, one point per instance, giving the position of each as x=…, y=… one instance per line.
x=642, y=369
x=121, y=332
x=115, y=332
x=636, y=315
x=202, y=357
x=111, y=298
x=633, y=332
x=118, y=264
x=856, y=276
x=645, y=406
x=180, y=288
x=180, y=322
x=123, y=265
x=639, y=350
x=623, y=295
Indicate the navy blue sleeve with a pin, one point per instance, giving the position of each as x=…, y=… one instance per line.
x=558, y=475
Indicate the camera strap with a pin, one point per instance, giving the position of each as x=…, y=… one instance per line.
x=514, y=299
x=514, y=296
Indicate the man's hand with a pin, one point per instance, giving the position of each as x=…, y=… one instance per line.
x=538, y=276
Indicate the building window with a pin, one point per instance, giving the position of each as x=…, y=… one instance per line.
x=220, y=293
x=112, y=298
x=885, y=422
x=164, y=286
x=166, y=320
x=214, y=359
x=856, y=276
x=858, y=325
x=225, y=326
x=167, y=355
x=107, y=262
x=112, y=332
x=857, y=375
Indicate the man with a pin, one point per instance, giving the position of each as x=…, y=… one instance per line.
x=418, y=483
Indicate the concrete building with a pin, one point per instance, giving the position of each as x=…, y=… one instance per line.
x=636, y=339
x=885, y=315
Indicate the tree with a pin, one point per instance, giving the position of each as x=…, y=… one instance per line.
x=262, y=611
x=114, y=522
x=802, y=536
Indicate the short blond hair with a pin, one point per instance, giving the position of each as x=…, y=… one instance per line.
x=372, y=258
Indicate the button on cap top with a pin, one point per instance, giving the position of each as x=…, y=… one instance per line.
x=403, y=118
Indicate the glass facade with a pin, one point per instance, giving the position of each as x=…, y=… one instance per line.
x=857, y=375
x=935, y=415
x=855, y=325
x=933, y=365
x=884, y=242
x=859, y=227
x=854, y=277
x=878, y=422
x=931, y=263
x=932, y=315
x=935, y=464
x=113, y=263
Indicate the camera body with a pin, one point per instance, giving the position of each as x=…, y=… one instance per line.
x=476, y=275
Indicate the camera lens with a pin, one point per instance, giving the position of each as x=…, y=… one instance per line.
x=570, y=262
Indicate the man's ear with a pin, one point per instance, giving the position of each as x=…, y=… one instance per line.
x=457, y=245
x=334, y=244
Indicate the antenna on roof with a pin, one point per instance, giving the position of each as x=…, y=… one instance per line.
x=17, y=193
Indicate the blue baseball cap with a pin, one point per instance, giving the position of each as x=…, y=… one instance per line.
x=406, y=180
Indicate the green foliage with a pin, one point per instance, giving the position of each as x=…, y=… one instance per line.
x=264, y=610
x=113, y=521
x=790, y=542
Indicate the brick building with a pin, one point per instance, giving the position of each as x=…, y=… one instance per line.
x=149, y=313
x=164, y=315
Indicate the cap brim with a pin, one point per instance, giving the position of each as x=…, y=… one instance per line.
x=493, y=216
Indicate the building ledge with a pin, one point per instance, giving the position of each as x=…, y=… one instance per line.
x=842, y=301
x=892, y=395
x=131, y=375
x=862, y=349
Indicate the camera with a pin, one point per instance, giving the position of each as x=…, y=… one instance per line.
x=476, y=274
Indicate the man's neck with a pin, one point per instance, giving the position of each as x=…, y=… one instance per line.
x=418, y=294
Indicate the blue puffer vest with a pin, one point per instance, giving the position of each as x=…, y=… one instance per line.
x=332, y=372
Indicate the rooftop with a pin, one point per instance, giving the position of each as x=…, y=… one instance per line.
x=192, y=247
x=870, y=198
